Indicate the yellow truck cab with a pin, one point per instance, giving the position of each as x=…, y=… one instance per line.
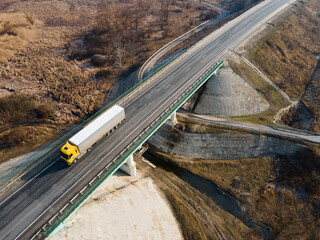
x=69, y=152
x=83, y=141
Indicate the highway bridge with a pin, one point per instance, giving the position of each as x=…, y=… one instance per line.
x=46, y=194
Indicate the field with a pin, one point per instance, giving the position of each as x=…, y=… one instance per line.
x=49, y=74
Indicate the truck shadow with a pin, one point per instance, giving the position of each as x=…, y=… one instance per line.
x=46, y=170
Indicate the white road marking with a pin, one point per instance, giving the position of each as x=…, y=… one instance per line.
x=187, y=70
x=144, y=105
x=88, y=171
x=28, y=182
x=168, y=86
x=120, y=142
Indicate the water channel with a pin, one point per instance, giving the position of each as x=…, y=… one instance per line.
x=223, y=199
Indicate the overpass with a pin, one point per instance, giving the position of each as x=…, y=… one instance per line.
x=48, y=193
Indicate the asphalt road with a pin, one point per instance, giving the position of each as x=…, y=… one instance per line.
x=279, y=131
x=154, y=60
x=41, y=193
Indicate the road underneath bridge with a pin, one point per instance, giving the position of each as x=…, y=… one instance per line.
x=30, y=202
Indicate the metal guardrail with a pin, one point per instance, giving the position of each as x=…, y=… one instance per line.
x=141, y=71
x=295, y=130
x=78, y=199
x=40, y=156
x=249, y=129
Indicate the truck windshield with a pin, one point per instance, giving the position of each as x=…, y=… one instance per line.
x=65, y=156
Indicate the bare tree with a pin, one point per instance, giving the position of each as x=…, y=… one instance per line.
x=241, y=5
x=164, y=16
x=132, y=50
x=137, y=14
x=119, y=54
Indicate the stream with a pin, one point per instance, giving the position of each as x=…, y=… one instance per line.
x=223, y=199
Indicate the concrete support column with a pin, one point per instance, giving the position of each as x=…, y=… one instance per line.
x=173, y=119
x=129, y=166
x=130, y=161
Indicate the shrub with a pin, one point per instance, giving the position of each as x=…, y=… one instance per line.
x=103, y=73
x=95, y=50
x=99, y=60
x=30, y=18
x=44, y=111
x=9, y=29
x=16, y=107
x=208, y=15
x=17, y=137
x=78, y=54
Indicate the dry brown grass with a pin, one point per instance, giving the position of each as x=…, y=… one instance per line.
x=24, y=125
x=273, y=97
x=291, y=208
x=16, y=30
x=250, y=174
x=20, y=108
x=310, y=102
x=55, y=90
x=282, y=194
x=23, y=139
x=199, y=217
x=286, y=54
x=127, y=33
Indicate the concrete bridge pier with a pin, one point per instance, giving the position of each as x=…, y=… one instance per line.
x=129, y=166
x=172, y=120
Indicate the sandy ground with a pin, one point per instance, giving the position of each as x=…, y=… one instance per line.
x=115, y=211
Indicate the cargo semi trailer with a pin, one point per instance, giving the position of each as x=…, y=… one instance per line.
x=81, y=142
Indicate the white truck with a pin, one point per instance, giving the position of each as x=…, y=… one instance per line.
x=78, y=145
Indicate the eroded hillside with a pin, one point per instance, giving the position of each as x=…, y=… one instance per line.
x=307, y=113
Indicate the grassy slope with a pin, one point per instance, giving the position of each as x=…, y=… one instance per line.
x=274, y=98
x=286, y=54
x=253, y=173
x=310, y=102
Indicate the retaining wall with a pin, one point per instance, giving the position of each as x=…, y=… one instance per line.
x=220, y=145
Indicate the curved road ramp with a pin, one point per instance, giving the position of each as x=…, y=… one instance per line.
x=44, y=197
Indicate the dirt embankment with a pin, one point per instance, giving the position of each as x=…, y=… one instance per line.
x=287, y=53
x=307, y=113
x=272, y=96
x=198, y=216
x=281, y=192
